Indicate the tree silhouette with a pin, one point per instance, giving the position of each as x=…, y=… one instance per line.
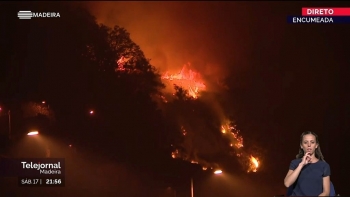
x=70, y=62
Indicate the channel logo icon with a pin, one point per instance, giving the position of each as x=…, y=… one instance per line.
x=25, y=14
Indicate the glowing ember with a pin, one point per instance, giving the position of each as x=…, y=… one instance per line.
x=187, y=79
x=121, y=63
x=163, y=99
x=254, y=164
x=223, y=130
x=233, y=135
x=183, y=131
x=175, y=154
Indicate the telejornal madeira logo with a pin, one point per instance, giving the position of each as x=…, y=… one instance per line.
x=44, y=168
x=29, y=14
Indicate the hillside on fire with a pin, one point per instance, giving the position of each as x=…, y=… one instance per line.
x=101, y=68
x=169, y=98
x=142, y=98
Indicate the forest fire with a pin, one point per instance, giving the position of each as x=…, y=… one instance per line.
x=187, y=79
x=231, y=133
x=254, y=164
x=191, y=149
x=120, y=63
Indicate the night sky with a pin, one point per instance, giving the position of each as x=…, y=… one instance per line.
x=283, y=79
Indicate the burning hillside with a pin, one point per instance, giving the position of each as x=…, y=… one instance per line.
x=191, y=152
x=188, y=79
x=202, y=140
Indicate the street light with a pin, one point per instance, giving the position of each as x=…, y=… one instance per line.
x=215, y=172
x=218, y=172
x=45, y=104
x=33, y=133
x=47, y=149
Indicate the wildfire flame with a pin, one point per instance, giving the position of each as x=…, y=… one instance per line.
x=190, y=81
x=175, y=154
x=232, y=133
x=254, y=164
x=236, y=141
x=120, y=64
x=187, y=79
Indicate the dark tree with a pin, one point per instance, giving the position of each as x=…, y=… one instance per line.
x=70, y=62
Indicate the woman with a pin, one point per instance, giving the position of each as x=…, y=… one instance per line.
x=309, y=174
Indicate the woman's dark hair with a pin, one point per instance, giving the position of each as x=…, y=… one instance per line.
x=318, y=153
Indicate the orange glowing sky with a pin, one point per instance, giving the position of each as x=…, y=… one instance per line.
x=213, y=36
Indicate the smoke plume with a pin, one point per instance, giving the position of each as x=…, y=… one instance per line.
x=207, y=37
x=174, y=33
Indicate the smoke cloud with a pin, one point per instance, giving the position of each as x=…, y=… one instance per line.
x=210, y=35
